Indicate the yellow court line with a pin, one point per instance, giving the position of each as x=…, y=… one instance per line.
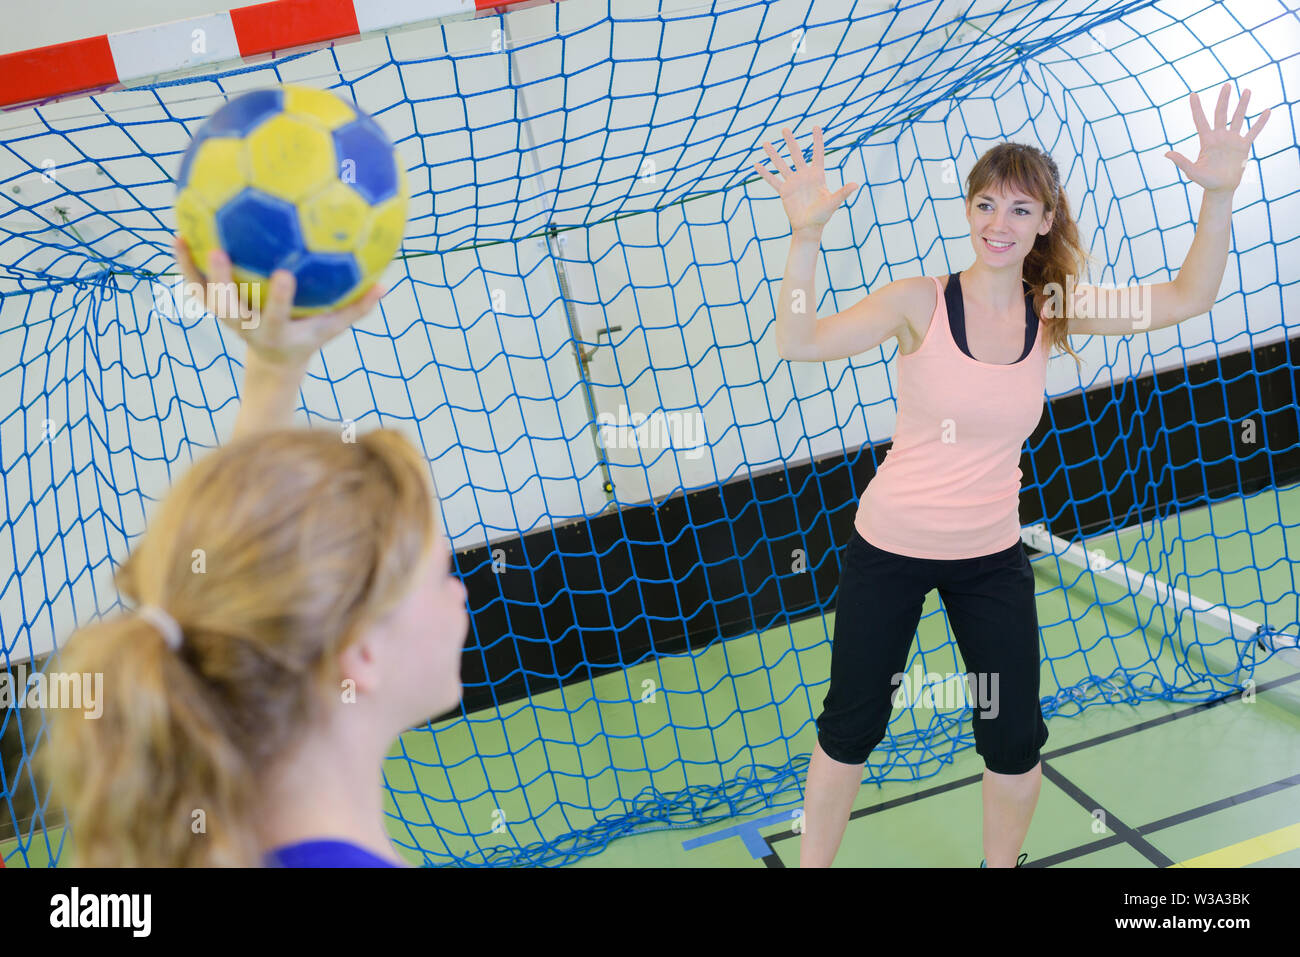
x=1249, y=851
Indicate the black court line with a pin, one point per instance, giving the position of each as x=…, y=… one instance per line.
x=772, y=859
x=1122, y=832
x=1180, y=818
x=1134, y=836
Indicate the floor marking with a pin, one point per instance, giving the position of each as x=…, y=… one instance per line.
x=1249, y=851
x=1131, y=836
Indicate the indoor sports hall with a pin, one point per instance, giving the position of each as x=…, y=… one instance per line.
x=648, y=507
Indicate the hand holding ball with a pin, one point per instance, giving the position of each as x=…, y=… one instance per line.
x=298, y=179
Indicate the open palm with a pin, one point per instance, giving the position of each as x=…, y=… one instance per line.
x=804, y=194
x=1224, y=149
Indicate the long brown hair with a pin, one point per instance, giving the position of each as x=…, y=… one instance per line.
x=1054, y=256
x=271, y=554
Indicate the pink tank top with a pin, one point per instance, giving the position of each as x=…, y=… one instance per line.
x=949, y=487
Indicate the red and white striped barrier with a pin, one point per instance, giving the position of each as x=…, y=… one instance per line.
x=217, y=41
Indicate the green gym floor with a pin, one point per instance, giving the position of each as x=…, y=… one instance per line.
x=1156, y=784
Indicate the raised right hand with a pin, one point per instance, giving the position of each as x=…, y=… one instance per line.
x=807, y=201
x=270, y=331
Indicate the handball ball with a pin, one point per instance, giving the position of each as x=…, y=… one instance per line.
x=294, y=178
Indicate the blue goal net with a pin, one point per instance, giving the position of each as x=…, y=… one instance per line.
x=647, y=505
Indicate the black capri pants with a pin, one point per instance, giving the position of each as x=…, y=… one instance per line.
x=991, y=609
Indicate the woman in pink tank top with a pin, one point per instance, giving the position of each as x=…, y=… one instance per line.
x=942, y=509
x=949, y=487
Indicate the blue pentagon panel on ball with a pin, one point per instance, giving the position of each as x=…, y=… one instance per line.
x=323, y=278
x=366, y=160
x=246, y=112
x=259, y=232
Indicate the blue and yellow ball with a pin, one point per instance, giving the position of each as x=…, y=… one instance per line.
x=294, y=178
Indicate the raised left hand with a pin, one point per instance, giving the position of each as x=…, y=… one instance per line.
x=1223, y=148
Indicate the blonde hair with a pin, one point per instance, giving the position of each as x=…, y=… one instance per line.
x=1054, y=256
x=271, y=553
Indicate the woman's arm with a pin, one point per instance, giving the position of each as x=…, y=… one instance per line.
x=280, y=348
x=1224, y=152
x=1202, y=271
x=800, y=335
x=796, y=313
x=269, y=396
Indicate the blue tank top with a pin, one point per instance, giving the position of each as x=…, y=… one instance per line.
x=324, y=854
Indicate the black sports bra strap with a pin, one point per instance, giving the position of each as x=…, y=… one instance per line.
x=957, y=315
x=956, y=312
x=1031, y=321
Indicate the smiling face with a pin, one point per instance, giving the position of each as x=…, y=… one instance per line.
x=1004, y=222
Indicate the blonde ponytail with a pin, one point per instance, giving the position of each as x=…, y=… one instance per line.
x=269, y=555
